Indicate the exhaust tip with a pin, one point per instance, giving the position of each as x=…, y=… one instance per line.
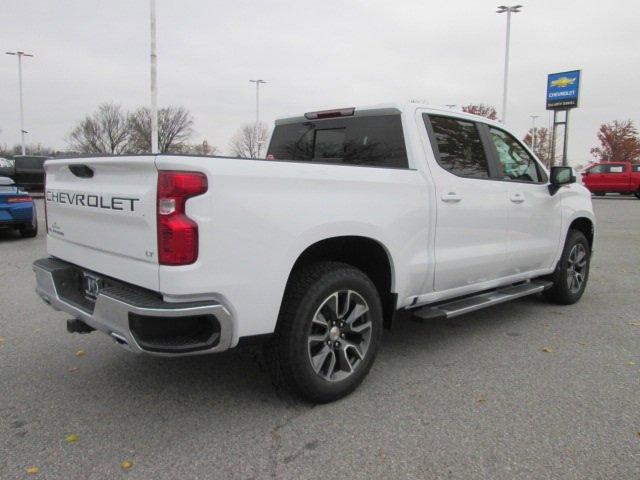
x=119, y=339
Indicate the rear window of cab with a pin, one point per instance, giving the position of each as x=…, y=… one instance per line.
x=375, y=141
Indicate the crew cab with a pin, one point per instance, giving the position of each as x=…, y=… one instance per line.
x=612, y=177
x=355, y=213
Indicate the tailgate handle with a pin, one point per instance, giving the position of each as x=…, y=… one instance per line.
x=81, y=171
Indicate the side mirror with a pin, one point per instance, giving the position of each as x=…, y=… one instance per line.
x=560, y=176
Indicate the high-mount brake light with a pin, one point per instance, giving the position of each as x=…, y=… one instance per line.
x=177, y=233
x=338, y=112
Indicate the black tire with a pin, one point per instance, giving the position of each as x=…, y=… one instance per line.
x=637, y=194
x=30, y=230
x=599, y=194
x=561, y=292
x=289, y=352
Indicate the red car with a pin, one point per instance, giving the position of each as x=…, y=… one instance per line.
x=615, y=177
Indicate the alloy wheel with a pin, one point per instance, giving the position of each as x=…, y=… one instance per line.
x=339, y=336
x=576, y=267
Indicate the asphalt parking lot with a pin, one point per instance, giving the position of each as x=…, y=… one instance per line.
x=473, y=397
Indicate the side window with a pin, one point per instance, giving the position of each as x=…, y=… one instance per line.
x=635, y=168
x=459, y=148
x=515, y=161
x=597, y=169
x=614, y=168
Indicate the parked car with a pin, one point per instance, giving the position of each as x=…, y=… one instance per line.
x=616, y=177
x=17, y=209
x=7, y=167
x=358, y=213
x=29, y=171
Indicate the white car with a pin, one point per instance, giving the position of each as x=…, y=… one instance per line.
x=355, y=214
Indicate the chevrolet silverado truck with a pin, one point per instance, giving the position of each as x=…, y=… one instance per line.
x=612, y=177
x=355, y=214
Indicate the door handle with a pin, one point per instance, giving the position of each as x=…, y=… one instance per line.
x=517, y=198
x=451, y=197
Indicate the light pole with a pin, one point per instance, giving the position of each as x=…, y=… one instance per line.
x=509, y=10
x=255, y=129
x=257, y=82
x=154, y=80
x=533, y=139
x=22, y=130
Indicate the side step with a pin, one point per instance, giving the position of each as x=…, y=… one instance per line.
x=453, y=308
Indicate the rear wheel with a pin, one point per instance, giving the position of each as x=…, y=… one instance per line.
x=599, y=194
x=637, y=194
x=571, y=274
x=30, y=230
x=328, y=332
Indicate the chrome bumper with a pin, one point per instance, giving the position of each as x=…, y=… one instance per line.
x=115, y=306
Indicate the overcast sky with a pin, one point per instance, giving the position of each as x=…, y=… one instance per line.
x=314, y=55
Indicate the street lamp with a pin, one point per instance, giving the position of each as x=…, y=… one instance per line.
x=257, y=82
x=154, y=77
x=22, y=130
x=255, y=129
x=509, y=10
x=533, y=139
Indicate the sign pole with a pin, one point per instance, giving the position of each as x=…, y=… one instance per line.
x=552, y=159
x=566, y=138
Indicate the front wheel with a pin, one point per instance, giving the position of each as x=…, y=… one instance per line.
x=572, y=272
x=637, y=194
x=328, y=332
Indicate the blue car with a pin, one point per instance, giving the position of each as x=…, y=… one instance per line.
x=17, y=209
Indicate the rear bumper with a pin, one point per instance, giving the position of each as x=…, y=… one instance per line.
x=137, y=319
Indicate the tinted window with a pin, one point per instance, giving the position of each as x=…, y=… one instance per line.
x=329, y=143
x=635, y=168
x=613, y=168
x=460, y=149
x=374, y=141
x=516, y=163
x=597, y=169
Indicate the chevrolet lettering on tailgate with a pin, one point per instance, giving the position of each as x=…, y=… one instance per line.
x=92, y=200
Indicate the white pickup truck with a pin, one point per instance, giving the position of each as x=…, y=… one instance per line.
x=356, y=213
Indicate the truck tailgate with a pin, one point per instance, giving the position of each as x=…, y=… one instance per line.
x=101, y=215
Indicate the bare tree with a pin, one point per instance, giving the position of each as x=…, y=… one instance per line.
x=175, y=127
x=105, y=131
x=543, y=143
x=196, y=148
x=250, y=140
x=482, y=110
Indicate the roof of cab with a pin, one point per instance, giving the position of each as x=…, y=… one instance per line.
x=392, y=108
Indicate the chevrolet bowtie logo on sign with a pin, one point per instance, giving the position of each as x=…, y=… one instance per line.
x=563, y=82
x=563, y=90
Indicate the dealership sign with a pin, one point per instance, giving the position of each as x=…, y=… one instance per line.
x=563, y=90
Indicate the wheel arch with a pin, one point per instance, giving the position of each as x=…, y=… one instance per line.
x=586, y=226
x=368, y=255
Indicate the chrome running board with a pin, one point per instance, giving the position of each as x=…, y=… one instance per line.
x=453, y=308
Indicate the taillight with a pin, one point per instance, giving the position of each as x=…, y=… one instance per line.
x=19, y=199
x=177, y=233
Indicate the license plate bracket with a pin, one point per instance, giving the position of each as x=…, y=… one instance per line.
x=91, y=285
